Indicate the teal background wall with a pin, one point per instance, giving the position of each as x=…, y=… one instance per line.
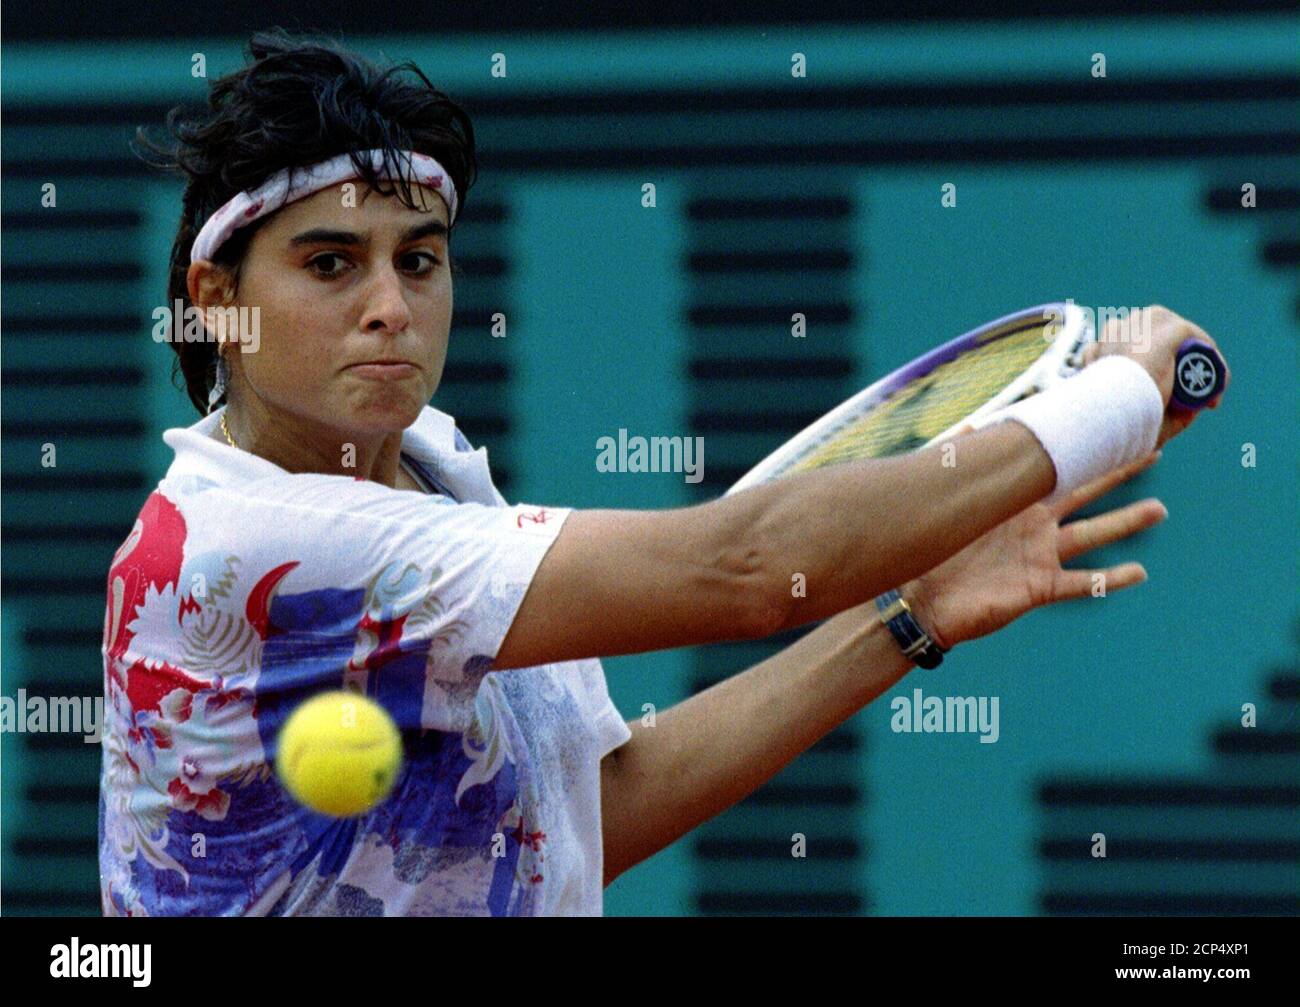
x=773, y=195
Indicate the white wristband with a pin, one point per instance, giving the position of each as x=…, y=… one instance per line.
x=1105, y=416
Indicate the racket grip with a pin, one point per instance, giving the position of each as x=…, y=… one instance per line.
x=1199, y=373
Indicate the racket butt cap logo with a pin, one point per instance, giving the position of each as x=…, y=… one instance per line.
x=1198, y=374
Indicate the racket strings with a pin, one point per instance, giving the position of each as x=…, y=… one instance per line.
x=927, y=406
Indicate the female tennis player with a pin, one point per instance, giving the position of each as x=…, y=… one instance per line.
x=321, y=526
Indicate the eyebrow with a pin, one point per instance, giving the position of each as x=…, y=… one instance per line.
x=323, y=235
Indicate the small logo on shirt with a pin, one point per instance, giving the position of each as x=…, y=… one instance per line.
x=533, y=519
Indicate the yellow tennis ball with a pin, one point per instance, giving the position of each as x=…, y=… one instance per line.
x=339, y=753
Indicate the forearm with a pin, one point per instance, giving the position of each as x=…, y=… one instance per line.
x=858, y=529
x=712, y=750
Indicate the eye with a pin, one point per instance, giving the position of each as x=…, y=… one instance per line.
x=433, y=261
x=327, y=273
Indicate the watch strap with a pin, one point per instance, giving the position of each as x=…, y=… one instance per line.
x=915, y=643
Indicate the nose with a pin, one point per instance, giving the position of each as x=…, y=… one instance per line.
x=385, y=304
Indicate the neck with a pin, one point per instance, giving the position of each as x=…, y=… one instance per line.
x=297, y=445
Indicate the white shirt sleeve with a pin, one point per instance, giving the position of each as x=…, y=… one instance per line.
x=454, y=574
x=610, y=728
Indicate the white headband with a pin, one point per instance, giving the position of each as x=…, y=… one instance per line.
x=275, y=192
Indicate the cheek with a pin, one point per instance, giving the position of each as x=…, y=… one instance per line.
x=437, y=361
x=437, y=311
x=294, y=351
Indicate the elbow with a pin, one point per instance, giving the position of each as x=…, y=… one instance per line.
x=758, y=594
x=762, y=594
x=769, y=609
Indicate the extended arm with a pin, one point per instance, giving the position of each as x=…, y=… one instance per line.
x=620, y=582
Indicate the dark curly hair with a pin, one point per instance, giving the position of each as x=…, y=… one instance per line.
x=303, y=99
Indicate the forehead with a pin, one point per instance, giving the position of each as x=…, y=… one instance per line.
x=350, y=203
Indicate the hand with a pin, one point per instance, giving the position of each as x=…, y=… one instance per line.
x=1017, y=566
x=1156, y=355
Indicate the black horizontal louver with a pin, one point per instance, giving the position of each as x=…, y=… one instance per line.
x=76, y=380
x=27, y=22
x=1228, y=844
x=1225, y=843
x=476, y=383
x=752, y=264
x=1276, y=211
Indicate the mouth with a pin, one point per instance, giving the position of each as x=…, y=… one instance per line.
x=384, y=370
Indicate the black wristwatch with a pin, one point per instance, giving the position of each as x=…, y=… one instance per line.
x=915, y=642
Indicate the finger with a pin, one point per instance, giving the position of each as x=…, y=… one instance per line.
x=1175, y=423
x=1078, y=537
x=1089, y=492
x=1098, y=583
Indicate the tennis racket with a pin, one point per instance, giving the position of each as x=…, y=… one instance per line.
x=964, y=381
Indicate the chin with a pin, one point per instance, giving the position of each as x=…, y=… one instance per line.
x=386, y=416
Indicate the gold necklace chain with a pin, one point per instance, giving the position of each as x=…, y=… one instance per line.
x=226, y=430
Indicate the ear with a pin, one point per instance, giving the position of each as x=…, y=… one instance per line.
x=209, y=286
